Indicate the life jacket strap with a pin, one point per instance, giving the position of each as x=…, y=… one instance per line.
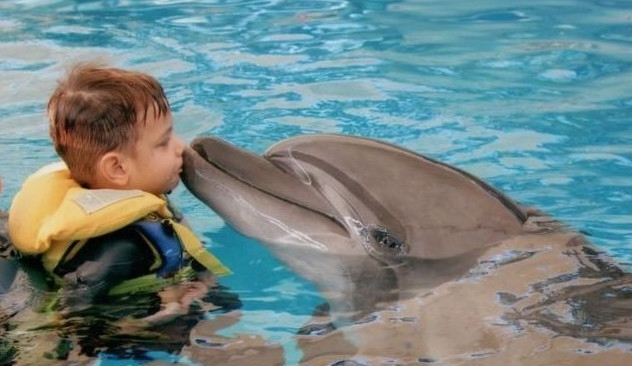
x=157, y=234
x=194, y=247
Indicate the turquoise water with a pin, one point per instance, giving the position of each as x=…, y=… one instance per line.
x=534, y=97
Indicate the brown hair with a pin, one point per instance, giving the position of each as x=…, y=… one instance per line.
x=96, y=109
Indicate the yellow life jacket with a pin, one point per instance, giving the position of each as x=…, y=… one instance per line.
x=53, y=216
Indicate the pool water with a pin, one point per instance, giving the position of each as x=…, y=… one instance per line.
x=533, y=97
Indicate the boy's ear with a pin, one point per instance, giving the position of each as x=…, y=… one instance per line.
x=111, y=170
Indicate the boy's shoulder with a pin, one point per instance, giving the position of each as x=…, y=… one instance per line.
x=51, y=206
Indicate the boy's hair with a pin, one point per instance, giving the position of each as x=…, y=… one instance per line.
x=97, y=109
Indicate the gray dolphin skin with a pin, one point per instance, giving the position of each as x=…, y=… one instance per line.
x=366, y=221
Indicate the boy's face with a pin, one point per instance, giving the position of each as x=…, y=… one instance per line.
x=156, y=163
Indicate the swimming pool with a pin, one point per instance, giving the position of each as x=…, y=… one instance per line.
x=535, y=99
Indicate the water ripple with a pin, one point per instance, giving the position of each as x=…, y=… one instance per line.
x=534, y=98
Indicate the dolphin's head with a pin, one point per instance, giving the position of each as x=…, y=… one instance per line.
x=348, y=212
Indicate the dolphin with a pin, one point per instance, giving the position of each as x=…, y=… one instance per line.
x=366, y=221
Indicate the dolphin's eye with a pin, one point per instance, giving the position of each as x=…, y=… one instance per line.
x=388, y=242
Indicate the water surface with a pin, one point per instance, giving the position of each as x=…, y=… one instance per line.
x=534, y=97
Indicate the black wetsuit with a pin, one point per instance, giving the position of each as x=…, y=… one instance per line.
x=102, y=263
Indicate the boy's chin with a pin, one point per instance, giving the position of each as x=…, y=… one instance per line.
x=172, y=187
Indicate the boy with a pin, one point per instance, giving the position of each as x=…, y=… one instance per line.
x=100, y=222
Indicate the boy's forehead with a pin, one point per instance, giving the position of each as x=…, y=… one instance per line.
x=148, y=115
x=154, y=123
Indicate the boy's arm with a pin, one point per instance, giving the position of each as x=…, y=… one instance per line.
x=103, y=263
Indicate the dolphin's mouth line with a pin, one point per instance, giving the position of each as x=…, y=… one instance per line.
x=200, y=151
x=303, y=238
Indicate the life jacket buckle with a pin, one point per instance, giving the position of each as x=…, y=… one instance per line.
x=152, y=217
